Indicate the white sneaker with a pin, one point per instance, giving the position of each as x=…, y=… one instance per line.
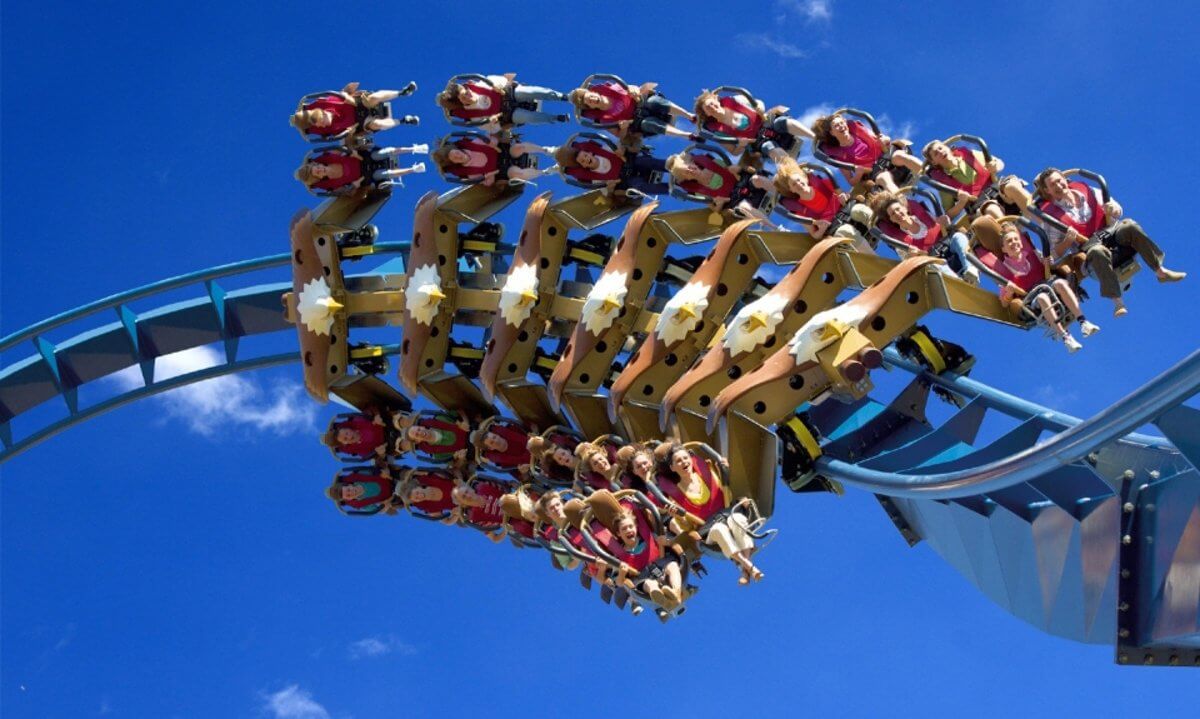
x=1088, y=329
x=422, y=149
x=1072, y=344
x=971, y=275
x=419, y=167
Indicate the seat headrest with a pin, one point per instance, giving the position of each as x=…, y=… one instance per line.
x=987, y=231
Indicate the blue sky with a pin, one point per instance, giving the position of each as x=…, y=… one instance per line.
x=160, y=564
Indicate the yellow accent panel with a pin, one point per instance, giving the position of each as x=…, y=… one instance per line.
x=806, y=438
x=925, y=344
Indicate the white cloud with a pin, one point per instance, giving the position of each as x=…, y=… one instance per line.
x=810, y=10
x=380, y=646
x=810, y=114
x=897, y=131
x=294, y=703
x=225, y=402
x=764, y=41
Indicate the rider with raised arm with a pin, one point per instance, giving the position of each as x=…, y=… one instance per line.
x=1084, y=212
x=693, y=484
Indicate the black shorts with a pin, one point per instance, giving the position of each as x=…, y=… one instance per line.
x=775, y=136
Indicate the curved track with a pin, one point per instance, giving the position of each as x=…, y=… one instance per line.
x=1058, y=532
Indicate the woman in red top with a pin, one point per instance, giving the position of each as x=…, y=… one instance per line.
x=696, y=489
x=478, y=501
x=503, y=444
x=595, y=469
x=624, y=109
x=702, y=174
x=341, y=171
x=429, y=492
x=910, y=222
x=332, y=115
x=1024, y=273
x=648, y=562
x=872, y=156
x=358, y=436
x=484, y=159
x=808, y=195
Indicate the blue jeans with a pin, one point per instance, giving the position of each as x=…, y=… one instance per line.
x=960, y=247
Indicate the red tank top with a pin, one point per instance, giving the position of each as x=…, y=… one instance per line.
x=351, y=169
x=823, y=205
x=370, y=436
x=343, y=111
x=621, y=109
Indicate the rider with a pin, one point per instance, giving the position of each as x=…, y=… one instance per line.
x=368, y=493
x=874, y=157
x=695, y=487
x=341, y=171
x=479, y=159
x=737, y=116
x=629, y=110
x=913, y=224
x=503, y=444
x=591, y=162
x=350, y=111
x=971, y=175
x=1024, y=270
x=441, y=436
x=473, y=100
x=1084, y=212
x=553, y=453
x=700, y=174
x=358, y=435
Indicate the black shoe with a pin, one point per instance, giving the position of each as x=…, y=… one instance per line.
x=564, y=97
x=409, y=89
x=410, y=120
x=562, y=118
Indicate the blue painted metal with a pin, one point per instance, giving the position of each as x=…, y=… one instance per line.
x=1033, y=526
x=59, y=369
x=1071, y=445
